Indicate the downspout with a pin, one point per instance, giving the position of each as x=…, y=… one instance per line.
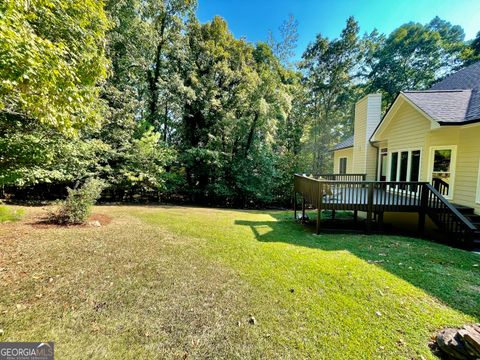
x=376, y=159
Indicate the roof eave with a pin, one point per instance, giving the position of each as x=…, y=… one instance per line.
x=458, y=123
x=342, y=148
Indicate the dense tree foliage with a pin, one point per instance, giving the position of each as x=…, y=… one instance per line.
x=414, y=56
x=52, y=60
x=472, y=53
x=140, y=94
x=329, y=67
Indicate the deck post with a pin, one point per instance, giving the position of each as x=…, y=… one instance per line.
x=380, y=220
x=303, y=209
x=423, y=209
x=355, y=216
x=319, y=206
x=294, y=204
x=369, y=208
x=319, y=217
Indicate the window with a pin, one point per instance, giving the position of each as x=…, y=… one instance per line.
x=343, y=165
x=414, y=168
x=478, y=185
x=393, y=167
x=382, y=163
x=415, y=165
x=405, y=166
x=442, y=169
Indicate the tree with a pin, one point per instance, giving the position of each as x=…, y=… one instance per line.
x=136, y=158
x=471, y=53
x=475, y=45
x=413, y=57
x=147, y=35
x=52, y=61
x=328, y=74
x=284, y=49
x=235, y=97
x=34, y=153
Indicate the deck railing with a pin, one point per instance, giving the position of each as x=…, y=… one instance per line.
x=441, y=186
x=376, y=197
x=447, y=217
x=344, y=177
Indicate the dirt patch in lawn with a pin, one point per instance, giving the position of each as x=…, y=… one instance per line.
x=101, y=218
x=95, y=220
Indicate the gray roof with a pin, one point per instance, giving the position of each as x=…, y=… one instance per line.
x=454, y=100
x=467, y=78
x=348, y=142
x=444, y=106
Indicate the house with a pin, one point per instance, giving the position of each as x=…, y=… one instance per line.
x=431, y=135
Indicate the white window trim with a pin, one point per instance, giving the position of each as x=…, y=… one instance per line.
x=453, y=166
x=409, y=163
x=477, y=200
x=379, y=162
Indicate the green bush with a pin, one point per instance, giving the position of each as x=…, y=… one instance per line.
x=9, y=214
x=76, y=208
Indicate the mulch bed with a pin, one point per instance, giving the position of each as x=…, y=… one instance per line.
x=43, y=223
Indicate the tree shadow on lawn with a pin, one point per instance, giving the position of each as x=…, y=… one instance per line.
x=449, y=274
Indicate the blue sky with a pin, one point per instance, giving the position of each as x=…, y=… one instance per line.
x=254, y=18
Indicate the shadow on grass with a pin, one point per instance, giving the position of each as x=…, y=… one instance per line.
x=451, y=275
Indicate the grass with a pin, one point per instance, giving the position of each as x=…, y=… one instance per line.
x=177, y=282
x=8, y=213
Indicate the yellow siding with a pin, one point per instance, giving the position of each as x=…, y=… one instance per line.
x=410, y=129
x=446, y=136
x=407, y=130
x=359, y=139
x=466, y=173
x=467, y=141
x=348, y=153
x=367, y=116
x=371, y=166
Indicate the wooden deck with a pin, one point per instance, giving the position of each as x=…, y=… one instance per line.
x=352, y=192
x=357, y=198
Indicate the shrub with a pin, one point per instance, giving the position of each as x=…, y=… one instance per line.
x=76, y=208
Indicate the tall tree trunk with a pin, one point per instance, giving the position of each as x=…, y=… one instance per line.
x=165, y=124
x=251, y=133
x=153, y=75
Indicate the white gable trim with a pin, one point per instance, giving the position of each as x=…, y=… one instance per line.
x=390, y=115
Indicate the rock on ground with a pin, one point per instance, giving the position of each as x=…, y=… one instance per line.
x=460, y=344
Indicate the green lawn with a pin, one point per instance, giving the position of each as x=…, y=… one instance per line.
x=9, y=213
x=179, y=282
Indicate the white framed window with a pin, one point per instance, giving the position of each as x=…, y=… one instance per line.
x=382, y=164
x=477, y=200
x=404, y=165
x=441, y=173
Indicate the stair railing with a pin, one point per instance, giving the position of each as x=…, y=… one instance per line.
x=447, y=217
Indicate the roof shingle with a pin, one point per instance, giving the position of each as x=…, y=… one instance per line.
x=444, y=106
x=467, y=78
x=348, y=142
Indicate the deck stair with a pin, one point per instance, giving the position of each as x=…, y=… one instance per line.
x=469, y=213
